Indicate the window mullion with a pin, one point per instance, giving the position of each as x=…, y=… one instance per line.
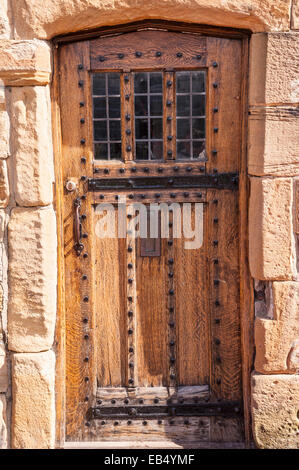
x=169, y=134
x=127, y=115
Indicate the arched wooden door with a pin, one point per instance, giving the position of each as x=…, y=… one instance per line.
x=153, y=349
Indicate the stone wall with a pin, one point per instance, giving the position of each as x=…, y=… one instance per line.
x=27, y=218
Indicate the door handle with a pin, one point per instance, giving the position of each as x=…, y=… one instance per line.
x=77, y=227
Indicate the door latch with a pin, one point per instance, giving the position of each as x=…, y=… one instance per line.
x=77, y=227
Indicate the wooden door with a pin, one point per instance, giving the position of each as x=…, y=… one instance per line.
x=152, y=119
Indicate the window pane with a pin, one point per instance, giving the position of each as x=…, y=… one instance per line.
x=100, y=130
x=156, y=82
x=190, y=92
x=183, y=82
x=140, y=82
x=183, y=105
x=105, y=107
x=115, y=151
x=183, y=128
x=141, y=150
x=156, y=129
x=99, y=84
x=114, y=107
x=156, y=151
x=101, y=151
x=198, y=82
x=99, y=108
x=198, y=128
x=183, y=150
x=113, y=84
x=199, y=151
x=114, y=127
x=141, y=129
x=156, y=105
x=198, y=105
x=141, y=106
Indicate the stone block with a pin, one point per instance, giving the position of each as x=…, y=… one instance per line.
x=271, y=248
x=275, y=403
x=32, y=146
x=32, y=279
x=33, y=400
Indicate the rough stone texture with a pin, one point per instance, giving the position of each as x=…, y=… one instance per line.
x=4, y=132
x=4, y=21
x=295, y=15
x=44, y=18
x=273, y=136
x=31, y=146
x=32, y=279
x=4, y=185
x=270, y=229
x=3, y=428
x=3, y=368
x=273, y=69
x=25, y=62
x=277, y=340
x=33, y=400
x=275, y=403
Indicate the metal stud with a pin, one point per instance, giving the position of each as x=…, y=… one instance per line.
x=121, y=170
x=81, y=83
x=198, y=56
x=215, y=201
x=138, y=54
x=158, y=54
x=127, y=97
x=131, y=350
x=170, y=181
x=186, y=194
x=86, y=359
x=128, y=117
x=86, y=399
x=172, y=376
x=189, y=168
x=82, y=141
x=83, y=159
x=85, y=255
x=214, y=152
x=169, y=137
x=129, y=422
x=106, y=171
x=83, y=216
x=171, y=309
x=216, y=282
x=130, y=331
x=170, y=261
x=170, y=274
x=116, y=423
x=146, y=169
x=84, y=277
x=81, y=104
x=87, y=424
x=199, y=194
x=217, y=341
x=157, y=195
x=140, y=401
x=134, y=169
x=130, y=281
x=85, y=320
x=215, y=129
x=120, y=56
x=215, y=220
x=102, y=196
x=82, y=120
x=102, y=58
x=128, y=131
x=83, y=197
x=172, y=195
x=160, y=421
x=172, y=343
x=218, y=381
x=128, y=148
x=171, y=292
x=215, y=110
x=179, y=54
x=217, y=303
x=83, y=178
x=144, y=423
x=126, y=78
x=130, y=249
x=169, y=83
x=156, y=400
x=215, y=85
x=86, y=337
x=215, y=242
x=131, y=381
x=215, y=261
x=172, y=360
x=170, y=242
x=86, y=298
x=131, y=196
x=80, y=66
x=215, y=64
x=126, y=401
x=130, y=298
x=131, y=365
x=217, y=321
x=130, y=265
x=96, y=170
x=160, y=169
x=171, y=324
x=169, y=153
x=168, y=103
x=169, y=118
x=130, y=313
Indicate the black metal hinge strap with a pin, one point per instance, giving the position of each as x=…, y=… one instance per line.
x=227, y=409
x=219, y=181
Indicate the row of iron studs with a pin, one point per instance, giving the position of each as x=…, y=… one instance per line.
x=171, y=306
x=131, y=296
x=215, y=224
x=84, y=277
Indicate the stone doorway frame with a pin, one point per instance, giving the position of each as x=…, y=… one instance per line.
x=27, y=346
x=246, y=284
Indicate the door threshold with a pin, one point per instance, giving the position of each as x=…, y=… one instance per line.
x=152, y=445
